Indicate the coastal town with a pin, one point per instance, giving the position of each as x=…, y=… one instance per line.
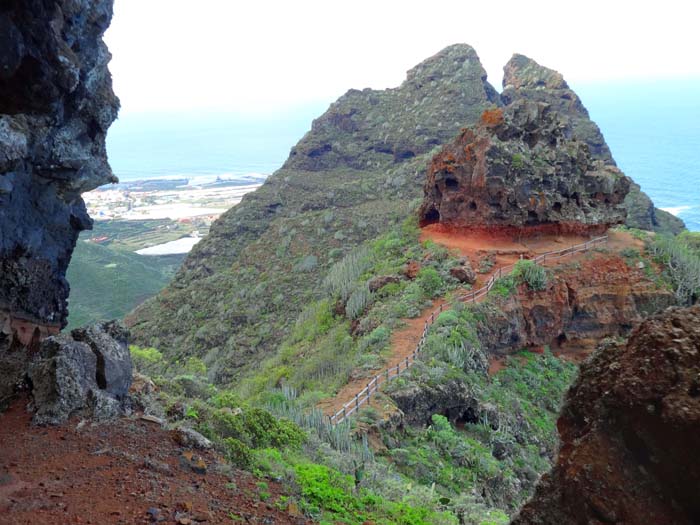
x=160, y=216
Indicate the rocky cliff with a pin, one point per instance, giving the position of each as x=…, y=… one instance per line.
x=584, y=302
x=517, y=170
x=524, y=78
x=369, y=128
x=627, y=427
x=56, y=103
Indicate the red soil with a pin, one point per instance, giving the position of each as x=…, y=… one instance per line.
x=114, y=473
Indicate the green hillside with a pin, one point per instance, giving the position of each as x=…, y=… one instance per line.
x=106, y=283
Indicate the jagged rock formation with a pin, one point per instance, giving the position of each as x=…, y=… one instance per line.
x=629, y=428
x=366, y=129
x=642, y=214
x=87, y=373
x=526, y=79
x=349, y=179
x=523, y=78
x=56, y=103
x=518, y=169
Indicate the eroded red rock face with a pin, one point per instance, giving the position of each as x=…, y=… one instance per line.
x=517, y=169
x=584, y=302
x=630, y=433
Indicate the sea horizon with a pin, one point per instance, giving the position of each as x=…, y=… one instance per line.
x=664, y=159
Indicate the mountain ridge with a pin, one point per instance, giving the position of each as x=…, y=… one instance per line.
x=229, y=307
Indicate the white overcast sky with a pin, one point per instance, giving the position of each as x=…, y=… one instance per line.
x=257, y=56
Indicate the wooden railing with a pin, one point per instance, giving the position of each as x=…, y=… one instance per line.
x=364, y=395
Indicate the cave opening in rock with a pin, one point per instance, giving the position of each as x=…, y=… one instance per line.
x=451, y=183
x=431, y=216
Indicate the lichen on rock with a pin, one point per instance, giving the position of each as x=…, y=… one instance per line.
x=517, y=169
x=85, y=374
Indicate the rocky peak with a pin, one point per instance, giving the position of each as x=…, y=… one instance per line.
x=525, y=79
x=518, y=168
x=372, y=128
x=523, y=72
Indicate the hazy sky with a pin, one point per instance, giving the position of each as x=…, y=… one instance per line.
x=258, y=56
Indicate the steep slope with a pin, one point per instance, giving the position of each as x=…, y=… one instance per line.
x=349, y=179
x=629, y=426
x=526, y=79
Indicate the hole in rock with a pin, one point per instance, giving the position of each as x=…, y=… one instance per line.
x=431, y=216
x=451, y=183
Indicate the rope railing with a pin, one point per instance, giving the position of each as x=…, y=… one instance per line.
x=365, y=395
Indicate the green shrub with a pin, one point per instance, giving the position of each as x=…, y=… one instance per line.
x=327, y=489
x=504, y=287
x=257, y=428
x=430, y=281
x=195, y=366
x=225, y=399
x=192, y=387
x=682, y=266
x=237, y=452
x=145, y=358
x=530, y=273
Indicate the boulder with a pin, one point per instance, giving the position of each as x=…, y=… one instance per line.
x=109, y=343
x=88, y=378
x=518, y=170
x=630, y=431
x=464, y=273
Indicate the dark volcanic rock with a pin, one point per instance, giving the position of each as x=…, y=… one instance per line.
x=517, y=168
x=88, y=374
x=526, y=79
x=642, y=214
x=56, y=103
x=109, y=342
x=380, y=281
x=630, y=431
x=523, y=78
x=464, y=273
x=368, y=128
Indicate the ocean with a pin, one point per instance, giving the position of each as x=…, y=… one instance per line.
x=652, y=128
